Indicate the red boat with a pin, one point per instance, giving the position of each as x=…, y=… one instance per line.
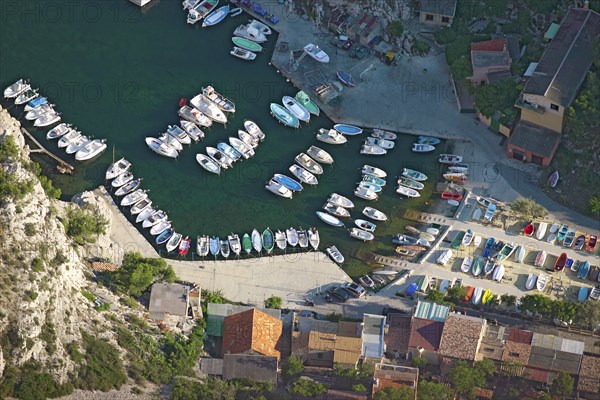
x=184, y=246
x=470, y=290
x=559, y=265
x=182, y=102
x=529, y=229
x=452, y=196
x=591, y=243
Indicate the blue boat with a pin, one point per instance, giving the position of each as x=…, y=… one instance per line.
x=562, y=232
x=284, y=116
x=346, y=78
x=412, y=288
x=288, y=182
x=229, y=151
x=165, y=236
x=214, y=245
x=583, y=294
x=489, y=246
x=349, y=130
x=216, y=16
x=428, y=140
x=38, y=101
x=584, y=269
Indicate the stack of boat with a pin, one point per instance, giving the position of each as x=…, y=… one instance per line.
x=224, y=155
x=410, y=183
x=247, y=39
x=371, y=184
x=457, y=172
x=378, y=143
x=425, y=144
x=74, y=142
x=409, y=246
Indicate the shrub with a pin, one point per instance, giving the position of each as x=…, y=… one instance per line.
x=307, y=387
x=35, y=385
x=83, y=226
x=420, y=47
x=103, y=307
x=103, y=369
x=445, y=36
x=273, y=302
x=359, y=388
x=12, y=189
x=137, y=273
x=30, y=229
x=48, y=335
x=46, y=183
x=37, y=265
x=293, y=366
x=129, y=302
x=395, y=28
x=527, y=209
x=88, y=295
x=9, y=149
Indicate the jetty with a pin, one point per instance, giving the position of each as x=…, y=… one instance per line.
x=63, y=166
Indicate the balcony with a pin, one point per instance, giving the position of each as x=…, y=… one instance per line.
x=530, y=106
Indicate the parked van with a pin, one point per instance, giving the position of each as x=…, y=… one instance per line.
x=354, y=289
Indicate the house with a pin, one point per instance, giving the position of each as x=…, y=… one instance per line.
x=216, y=313
x=432, y=311
x=550, y=354
x=516, y=352
x=373, y=344
x=169, y=304
x=252, y=332
x=490, y=57
x=363, y=28
x=461, y=337
x=390, y=375
x=425, y=338
x=254, y=367
x=553, y=87
x=492, y=343
x=436, y=12
x=588, y=384
x=398, y=335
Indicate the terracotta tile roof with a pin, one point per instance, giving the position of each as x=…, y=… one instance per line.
x=461, y=336
x=482, y=393
x=342, y=339
x=255, y=368
x=520, y=336
x=535, y=139
x=536, y=374
x=425, y=333
x=589, y=374
x=398, y=335
x=490, y=45
x=516, y=352
x=98, y=266
x=252, y=331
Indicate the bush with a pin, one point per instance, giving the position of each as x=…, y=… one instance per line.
x=11, y=189
x=307, y=387
x=395, y=393
x=36, y=385
x=420, y=47
x=293, y=366
x=37, y=265
x=83, y=226
x=359, y=388
x=527, y=209
x=395, y=28
x=137, y=273
x=273, y=302
x=103, y=369
x=129, y=302
x=46, y=183
x=48, y=335
x=9, y=151
x=445, y=36
x=30, y=229
x=88, y=295
x=102, y=307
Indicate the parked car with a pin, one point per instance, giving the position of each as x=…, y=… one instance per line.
x=340, y=294
x=347, y=44
x=354, y=289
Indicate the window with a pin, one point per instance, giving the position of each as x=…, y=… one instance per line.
x=488, y=350
x=319, y=355
x=446, y=20
x=428, y=17
x=513, y=354
x=554, y=106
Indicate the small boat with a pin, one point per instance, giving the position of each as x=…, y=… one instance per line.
x=201, y=10
x=329, y=219
x=374, y=214
x=208, y=108
x=247, y=138
x=189, y=4
x=316, y=53
x=159, y=147
x=554, y=228
x=541, y=282
x=39, y=111
x=234, y=243
x=278, y=189
x=335, y=254
x=408, y=192
x=284, y=116
x=250, y=33
x=294, y=107
x=410, y=183
x=423, y=283
x=214, y=245
x=469, y=295
x=540, y=259
x=241, y=147
x=224, y=103
x=452, y=196
x=260, y=26
x=464, y=168
x=579, y=242
x=280, y=240
x=498, y=273
x=365, y=225
x=174, y=241
x=428, y=140
x=234, y=12
x=340, y=200
x=591, y=242
x=288, y=182
x=307, y=103
x=489, y=246
x=122, y=179
x=553, y=179
x=422, y=148
x=134, y=197
x=170, y=141
x=179, y=134
x=468, y=237
x=404, y=240
x=456, y=177
x=253, y=129
x=219, y=157
x=559, y=265
x=16, y=89
x=91, y=150
x=193, y=115
x=373, y=171
x=572, y=265
x=531, y=280
x=117, y=168
x=450, y=159
x=247, y=243
x=345, y=78
x=164, y=236
x=336, y=210
x=551, y=238
x=414, y=175
x=348, y=130
x=506, y=251
x=313, y=238
x=77, y=144
x=381, y=134
x=489, y=213
x=583, y=294
x=268, y=240
x=520, y=254
x=372, y=150
x=569, y=238
x=541, y=230
x=488, y=266
x=562, y=232
x=216, y=16
x=35, y=103
x=433, y=231
x=444, y=257
x=140, y=206
x=308, y=163
x=224, y=248
x=365, y=194
x=584, y=269
x=292, y=236
x=331, y=136
x=229, y=151
x=403, y=251
x=303, y=175
x=384, y=144
x=26, y=96
x=360, y=234
x=47, y=119
x=256, y=241
x=208, y=163
x=202, y=245
x=246, y=44
x=58, y=131
x=529, y=229
x=242, y=53
x=477, y=294
x=184, y=246
x=476, y=214
x=155, y=218
x=371, y=186
x=320, y=155
x=366, y=282
x=144, y=215
x=466, y=264
x=453, y=203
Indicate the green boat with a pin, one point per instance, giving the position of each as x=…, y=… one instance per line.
x=268, y=240
x=477, y=266
x=410, y=183
x=374, y=180
x=455, y=245
x=284, y=116
x=414, y=175
x=246, y=44
x=247, y=243
x=310, y=105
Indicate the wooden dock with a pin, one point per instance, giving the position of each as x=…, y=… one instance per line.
x=63, y=166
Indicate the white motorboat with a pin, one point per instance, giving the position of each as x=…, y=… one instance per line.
x=381, y=134
x=309, y=164
x=468, y=237
x=280, y=240
x=192, y=130
x=245, y=150
x=373, y=171
x=531, y=280
x=541, y=282
x=173, y=242
x=224, y=103
x=335, y=254
x=179, y=134
x=498, y=273
x=384, y=144
x=294, y=106
x=201, y=10
x=302, y=239
x=157, y=217
x=77, y=144
x=372, y=150
x=320, y=155
x=340, y=200
x=68, y=138
x=26, y=96
x=278, y=189
x=134, y=197
x=365, y=194
x=331, y=136
x=140, y=206
x=374, y=214
x=160, y=227
x=444, y=257
x=128, y=187
x=316, y=53
x=476, y=297
x=91, y=150
x=360, y=234
x=541, y=230
x=58, y=131
x=247, y=138
x=520, y=254
x=235, y=244
x=189, y=4
x=47, y=119
x=314, y=238
x=292, y=236
x=117, y=168
x=144, y=215
x=208, y=108
x=254, y=130
x=39, y=111
x=336, y=210
x=256, y=241
x=242, y=53
x=371, y=186
x=161, y=148
x=208, y=163
x=408, y=192
x=365, y=225
x=464, y=168
x=260, y=26
x=250, y=33
x=202, y=245
x=466, y=264
x=303, y=175
x=122, y=179
x=195, y=116
x=414, y=175
x=170, y=141
x=16, y=89
x=229, y=151
x=422, y=148
x=450, y=159
x=219, y=157
x=329, y=219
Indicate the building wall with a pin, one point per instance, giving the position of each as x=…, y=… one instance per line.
x=551, y=119
x=510, y=151
x=480, y=73
x=431, y=356
x=435, y=19
x=504, y=130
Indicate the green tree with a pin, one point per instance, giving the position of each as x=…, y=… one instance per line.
x=9, y=149
x=137, y=273
x=461, y=69
x=84, y=225
x=527, y=209
x=395, y=28
x=435, y=295
x=594, y=204
x=273, y=302
x=457, y=293
x=562, y=386
x=359, y=388
x=464, y=378
x=433, y=391
x=486, y=367
x=491, y=98
x=307, y=387
x=508, y=300
x=395, y=393
x=588, y=315
x=293, y=366
x=419, y=362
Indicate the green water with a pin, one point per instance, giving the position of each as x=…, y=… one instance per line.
x=118, y=74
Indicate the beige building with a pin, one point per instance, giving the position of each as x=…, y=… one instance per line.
x=436, y=12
